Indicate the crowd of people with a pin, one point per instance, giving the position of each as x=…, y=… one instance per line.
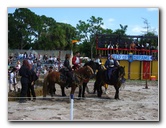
x=125, y=47
x=29, y=68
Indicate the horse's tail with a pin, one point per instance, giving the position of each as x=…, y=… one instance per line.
x=45, y=87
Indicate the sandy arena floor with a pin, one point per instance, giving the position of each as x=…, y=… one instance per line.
x=135, y=104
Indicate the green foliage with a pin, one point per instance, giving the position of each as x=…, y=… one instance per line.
x=86, y=32
x=26, y=29
x=122, y=30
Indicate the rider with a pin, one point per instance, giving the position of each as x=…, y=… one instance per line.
x=69, y=70
x=97, y=59
x=110, y=64
x=76, y=61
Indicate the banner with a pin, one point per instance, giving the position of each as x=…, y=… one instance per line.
x=134, y=57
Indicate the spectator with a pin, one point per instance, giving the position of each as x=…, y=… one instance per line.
x=59, y=64
x=25, y=76
x=18, y=65
x=31, y=84
x=25, y=55
x=12, y=80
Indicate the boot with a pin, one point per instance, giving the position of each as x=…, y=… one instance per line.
x=67, y=84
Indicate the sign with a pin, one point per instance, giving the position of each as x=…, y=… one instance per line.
x=130, y=57
x=134, y=57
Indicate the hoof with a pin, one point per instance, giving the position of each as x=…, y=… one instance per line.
x=64, y=95
x=79, y=98
x=117, y=98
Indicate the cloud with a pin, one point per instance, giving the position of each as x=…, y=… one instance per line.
x=152, y=9
x=137, y=29
x=111, y=20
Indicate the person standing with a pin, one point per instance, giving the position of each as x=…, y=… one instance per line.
x=31, y=84
x=12, y=80
x=25, y=74
x=76, y=61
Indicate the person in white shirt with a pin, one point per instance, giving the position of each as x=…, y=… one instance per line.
x=12, y=80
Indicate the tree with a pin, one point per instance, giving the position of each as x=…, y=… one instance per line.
x=122, y=30
x=26, y=29
x=25, y=20
x=87, y=31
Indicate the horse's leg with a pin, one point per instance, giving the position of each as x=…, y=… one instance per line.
x=80, y=91
x=117, y=91
x=51, y=85
x=83, y=92
x=45, y=88
x=95, y=88
x=73, y=88
x=99, y=91
x=98, y=87
x=63, y=91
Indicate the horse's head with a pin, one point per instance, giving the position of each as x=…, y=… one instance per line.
x=121, y=71
x=98, y=66
x=88, y=71
x=94, y=65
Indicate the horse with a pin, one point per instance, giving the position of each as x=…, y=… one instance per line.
x=115, y=80
x=95, y=66
x=80, y=75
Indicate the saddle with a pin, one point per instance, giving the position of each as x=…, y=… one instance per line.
x=63, y=74
x=65, y=78
x=109, y=75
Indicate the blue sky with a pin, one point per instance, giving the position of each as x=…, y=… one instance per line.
x=112, y=17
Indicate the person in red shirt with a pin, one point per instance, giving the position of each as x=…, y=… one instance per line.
x=76, y=61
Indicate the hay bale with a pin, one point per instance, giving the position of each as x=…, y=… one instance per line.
x=13, y=96
x=39, y=91
x=39, y=82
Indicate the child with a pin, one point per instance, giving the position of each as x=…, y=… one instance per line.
x=12, y=80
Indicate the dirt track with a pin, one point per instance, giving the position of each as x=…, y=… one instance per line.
x=135, y=104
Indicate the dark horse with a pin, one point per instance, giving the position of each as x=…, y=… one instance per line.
x=79, y=75
x=95, y=66
x=116, y=80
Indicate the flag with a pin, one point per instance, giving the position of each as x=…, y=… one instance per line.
x=74, y=41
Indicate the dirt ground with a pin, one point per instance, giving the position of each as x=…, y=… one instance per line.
x=135, y=104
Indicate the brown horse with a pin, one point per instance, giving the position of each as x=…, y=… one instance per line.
x=80, y=75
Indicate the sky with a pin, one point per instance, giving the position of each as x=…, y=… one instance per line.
x=112, y=17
